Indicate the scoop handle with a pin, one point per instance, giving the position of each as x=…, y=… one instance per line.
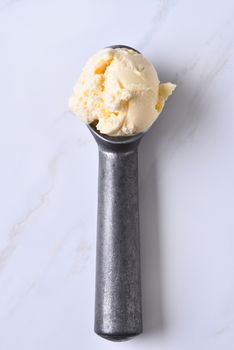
x=118, y=312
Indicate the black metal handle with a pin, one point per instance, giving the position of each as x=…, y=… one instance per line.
x=118, y=314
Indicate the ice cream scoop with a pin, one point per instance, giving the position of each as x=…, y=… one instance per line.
x=120, y=90
x=118, y=310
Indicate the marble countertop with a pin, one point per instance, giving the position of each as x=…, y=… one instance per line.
x=48, y=181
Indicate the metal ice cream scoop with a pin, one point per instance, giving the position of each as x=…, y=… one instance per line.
x=118, y=311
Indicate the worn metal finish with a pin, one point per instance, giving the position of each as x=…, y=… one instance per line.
x=118, y=313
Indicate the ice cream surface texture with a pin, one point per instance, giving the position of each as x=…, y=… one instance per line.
x=120, y=90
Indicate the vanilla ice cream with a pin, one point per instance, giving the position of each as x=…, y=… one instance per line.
x=120, y=90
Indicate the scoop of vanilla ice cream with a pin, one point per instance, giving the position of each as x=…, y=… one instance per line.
x=120, y=90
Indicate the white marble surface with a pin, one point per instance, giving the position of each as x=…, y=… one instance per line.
x=48, y=180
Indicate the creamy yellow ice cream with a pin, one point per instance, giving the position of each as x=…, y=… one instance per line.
x=120, y=90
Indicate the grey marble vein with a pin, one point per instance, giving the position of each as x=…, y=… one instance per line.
x=17, y=229
x=7, y=3
x=64, y=115
x=225, y=328
x=83, y=252
x=163, y=10
x=213, y=69
x=21, y=297
x=190, y=107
